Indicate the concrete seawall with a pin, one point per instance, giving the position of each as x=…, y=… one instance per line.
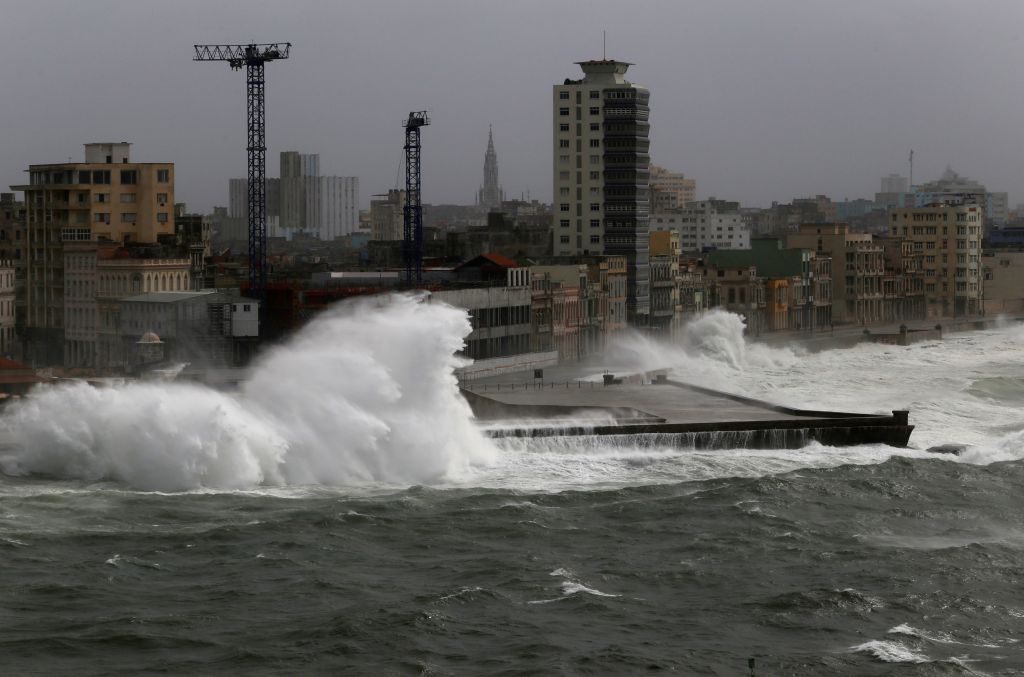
x=666, y=412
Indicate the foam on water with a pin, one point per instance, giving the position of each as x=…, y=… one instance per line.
x=364, y=394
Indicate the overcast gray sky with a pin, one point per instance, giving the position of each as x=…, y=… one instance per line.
x=756, y=100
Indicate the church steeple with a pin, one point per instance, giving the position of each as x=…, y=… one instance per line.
x=490, y=194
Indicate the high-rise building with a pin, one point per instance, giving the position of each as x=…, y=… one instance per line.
x=601, y=173
x=107, y=197
x=952, y=188
x=339, y=206
x=300, y=192
x=490, y=195
x=707, y=224
x=387, y=215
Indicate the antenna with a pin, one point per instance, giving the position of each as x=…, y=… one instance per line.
x=911, y=186
x=604, y=45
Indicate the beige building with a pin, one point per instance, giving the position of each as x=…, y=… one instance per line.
x=1003, y=273
x=96, y=275
x=106, y=197
x=858, y=267
x=387, y=217
x=947, y=244
x=670, y=190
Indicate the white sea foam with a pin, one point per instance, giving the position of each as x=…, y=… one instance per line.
x=889, y=651
x=364, y=394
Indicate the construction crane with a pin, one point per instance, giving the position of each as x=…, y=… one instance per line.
x=253, y=57
x=412, y=242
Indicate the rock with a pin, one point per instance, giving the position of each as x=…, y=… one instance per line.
x=954, y=449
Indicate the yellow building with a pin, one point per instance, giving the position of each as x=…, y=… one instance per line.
x=107, y=197
x=947, y=245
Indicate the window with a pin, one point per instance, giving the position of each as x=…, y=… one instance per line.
x=102, y=197
x=564, y=239
x=563, y=111
x=564, y=191
x=595, y=126
x=563, y=176
x=101, y=176
x=161, y=198
x=564, y=96
x=595, y=239
x=595, y=143
x=101, y=217
x=595, y=206
x=161, y=217
x=563, y=207
x=595, y=110
x=563, y=143
x=564, y=223
x=127, y=198
x=595, y=94
x=563, y=158
x=127, y=217
x=564, y=127
x=595, y=159
x=595, y=223
x=129, y=177
x=163, y=175
x=594, y=176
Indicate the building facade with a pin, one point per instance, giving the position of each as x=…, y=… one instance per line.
x=858, y=266
x=707, y=224
x=946, y=241
x=107, y=197
x=602, y=174
x=670, y=190
x=339, y=206
x=387, y=219
x=300, y=192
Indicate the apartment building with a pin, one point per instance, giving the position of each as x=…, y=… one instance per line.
x=106, y=197
x=858, y=266
x=705, y=224
x=601, y=173
x=946, y=240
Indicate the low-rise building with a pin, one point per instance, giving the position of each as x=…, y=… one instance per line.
x=858, y=265
x=196, y=327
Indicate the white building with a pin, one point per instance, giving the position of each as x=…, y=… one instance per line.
x=339, y=206
x=705, y=224
x=601, y=173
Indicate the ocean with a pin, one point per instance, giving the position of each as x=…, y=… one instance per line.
x=341, y=513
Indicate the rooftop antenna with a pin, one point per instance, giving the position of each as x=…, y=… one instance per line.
x=604, y=45
x=911, y=169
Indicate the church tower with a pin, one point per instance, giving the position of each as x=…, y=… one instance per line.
x=490, y=194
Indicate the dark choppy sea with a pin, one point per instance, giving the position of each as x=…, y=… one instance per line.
x=281, y=530
x=910, y=566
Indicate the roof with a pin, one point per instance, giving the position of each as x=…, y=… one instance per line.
x=6, y=364
x=492, y=258
x=169, y=296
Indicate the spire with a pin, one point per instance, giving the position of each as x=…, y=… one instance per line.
x=490, y=195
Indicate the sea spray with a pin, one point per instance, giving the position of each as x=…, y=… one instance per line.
x=709, y=350
x=365, y=393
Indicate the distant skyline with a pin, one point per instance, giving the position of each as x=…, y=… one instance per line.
x=757, y=101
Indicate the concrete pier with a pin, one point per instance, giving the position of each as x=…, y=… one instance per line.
x=655, y=405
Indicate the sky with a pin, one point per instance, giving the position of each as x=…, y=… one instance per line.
x=756, y=100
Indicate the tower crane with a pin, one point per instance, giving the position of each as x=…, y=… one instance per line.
x=412, y=242
x=253, y=57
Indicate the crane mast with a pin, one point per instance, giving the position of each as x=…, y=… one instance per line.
x=253, y=57
x=412, y=242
